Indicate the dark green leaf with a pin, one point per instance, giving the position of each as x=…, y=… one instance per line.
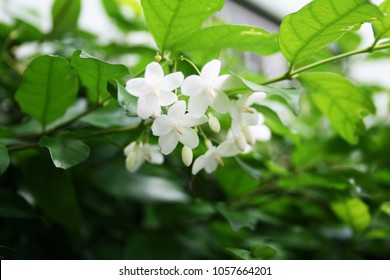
x=240, y=254
x=127, y=101
x=320, y=23
x=4, y=159
x=308, y=180
x=95, y=74
x=353, y=212
x=13, y=205
x=239, y=219
x=343, y=103
x=171, y=20
x=263, y=252
x=110, y=117
x=49, y=88
x=238, y=37
x=382, y=26
x=65, y=14
x=65, y=152
x=53, y=191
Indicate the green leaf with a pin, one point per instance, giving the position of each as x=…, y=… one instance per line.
x=263, y=252
x=289, y=96
x=4, y=159
x=171, y=20
x=240, y=254
x=385, y=207
x=48, y=89
x=126, y=100
x=53, y=191
x=13, y=205
x=95, y=74
x=238, y=37
x=338, y=99
x=382, y=26
x=239, y=219
x=308, y=180
x=320, y=23
x=65, y=14
x=65, y=152
x=353, y=212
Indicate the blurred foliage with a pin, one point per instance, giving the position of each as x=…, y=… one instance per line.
x=315, y=191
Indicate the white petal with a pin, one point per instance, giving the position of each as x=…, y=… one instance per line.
x=261, y=132
x=168, y=142
x=227, y=148
x=199, y=163
x=147, y=106
x=210, y=71
x=155, y=155
x=129, y=148
x=211, y=165
x=192, y=85
x=189, y=138
x=221, y=102
x=226, y=82
x=166, y=98
x=177, y=110
x=190, y=121
x=256, y=97
x=172, y=81
x=249, y=118
x=162, y=125
x=138, y=87
x=154, y=72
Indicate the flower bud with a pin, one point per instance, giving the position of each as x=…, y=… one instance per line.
x=214, y=124
x=186, y=155
x=131, y=161
x=248, y=135
x=240, y=142
x=158, y=58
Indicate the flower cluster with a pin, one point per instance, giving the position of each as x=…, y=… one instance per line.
x=176, y=121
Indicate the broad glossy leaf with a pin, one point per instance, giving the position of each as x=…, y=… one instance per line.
x=4, y=159
x=13, y=205
x=263, y=252
x=126, y=100
x=65, y=152
x=353, y=212
x=65, y=14
x=238, y=37
x=240, y=254
x=289, y=96
x=53, y=191
x=382, y=26
x=171, y=20
x=320, y=23
x=95, y=74
x=48, y=89
x=343, y=103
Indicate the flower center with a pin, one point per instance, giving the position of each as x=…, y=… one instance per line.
x=210, y=90
x=245, y=109
x=178, y=128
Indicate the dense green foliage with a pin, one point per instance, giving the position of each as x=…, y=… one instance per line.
x=319, y=189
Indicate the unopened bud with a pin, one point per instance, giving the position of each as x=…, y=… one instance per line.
x=248, y=135
x=208, y=143
x=186, y=155
x=158, y=58
x=214, y=124
x=131, y=161
x=240, y=142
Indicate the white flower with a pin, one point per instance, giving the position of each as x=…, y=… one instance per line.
x=154, y=90
x=205, y=90
x=176, y=127
x=210, y=160
x=247, y=123
x=137, y=153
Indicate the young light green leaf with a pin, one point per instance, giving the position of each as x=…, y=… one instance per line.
x=238, y=37
x=95, y=74
x=65, y=15
x=289, y=96
x=339, y=100
x=171, y=20
x=320, y=23
x=385, y=207
x=382, y=26
x=4, y=159
x=65, y=152
x=353, y=212
x=48, y=89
